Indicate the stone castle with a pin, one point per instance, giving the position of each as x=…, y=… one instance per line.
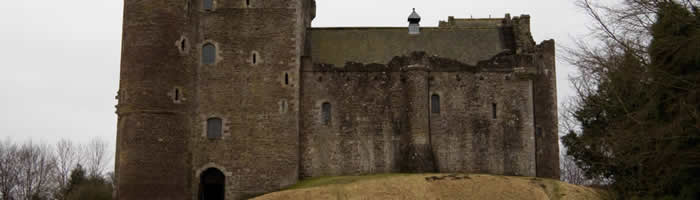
x=228, y=99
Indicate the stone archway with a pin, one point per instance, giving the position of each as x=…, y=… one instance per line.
x=212, y=185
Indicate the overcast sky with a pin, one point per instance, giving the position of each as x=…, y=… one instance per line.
x=59, y=59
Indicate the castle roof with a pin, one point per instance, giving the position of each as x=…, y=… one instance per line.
x=380, y=44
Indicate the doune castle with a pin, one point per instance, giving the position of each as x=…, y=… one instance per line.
x=228, y=99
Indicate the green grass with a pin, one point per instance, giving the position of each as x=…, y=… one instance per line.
x=330, y=180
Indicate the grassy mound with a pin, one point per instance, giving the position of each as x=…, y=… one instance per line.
x=434, y=186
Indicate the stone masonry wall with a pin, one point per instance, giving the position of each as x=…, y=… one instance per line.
x=545, y=91
x=153, y=155
x=467, y=137
x=378, y=112
x=253, y=87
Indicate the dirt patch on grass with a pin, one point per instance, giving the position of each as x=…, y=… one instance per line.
x=435, y=186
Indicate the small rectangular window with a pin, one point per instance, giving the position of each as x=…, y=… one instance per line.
x=208, y=5
x=435, y=104
x=214, y=128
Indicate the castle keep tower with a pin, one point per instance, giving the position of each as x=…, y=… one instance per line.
x=208, y=99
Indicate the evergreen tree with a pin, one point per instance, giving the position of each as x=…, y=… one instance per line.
x=83, y=187
x=639, y=125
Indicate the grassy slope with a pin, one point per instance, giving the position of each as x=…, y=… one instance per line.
x=417, y=186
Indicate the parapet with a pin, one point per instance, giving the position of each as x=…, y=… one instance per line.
x=453, y=22
x=506, y=21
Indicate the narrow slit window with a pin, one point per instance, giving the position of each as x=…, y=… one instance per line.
x=177, y=94
x=286, y=78
x=326, y=113
x=435, y=104
x=494, y=109
x=214, y=128
x=183, y=44
x=247, y=3
x=255, y=58
x=208, y=54
x=208, y=5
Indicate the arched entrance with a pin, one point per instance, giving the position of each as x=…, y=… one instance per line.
x=212, y=184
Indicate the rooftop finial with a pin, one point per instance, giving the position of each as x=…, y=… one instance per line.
x=414, y=23
x=414, y=17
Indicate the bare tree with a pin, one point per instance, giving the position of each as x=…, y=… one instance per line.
x=37, y=167
x=570, y=172
x=68, y=156
x=97, y=156
x=8, y=169
x=31, y=171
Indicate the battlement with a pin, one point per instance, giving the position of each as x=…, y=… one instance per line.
x=453, y=22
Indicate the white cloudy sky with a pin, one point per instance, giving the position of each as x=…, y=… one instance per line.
x=59, y=59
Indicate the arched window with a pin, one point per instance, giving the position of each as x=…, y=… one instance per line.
x=208, y=5
x=214, y=128
x=326, y=113
x=435, y=103
x=208, y=54
x=212, y=185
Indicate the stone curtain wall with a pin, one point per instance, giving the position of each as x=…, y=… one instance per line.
x=382, y=123
x=466, y=137
x=381, y=117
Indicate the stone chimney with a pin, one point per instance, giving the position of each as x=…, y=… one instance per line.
x=414, y=23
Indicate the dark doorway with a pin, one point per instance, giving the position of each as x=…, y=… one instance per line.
x=212, y=185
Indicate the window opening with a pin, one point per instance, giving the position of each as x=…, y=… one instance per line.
x=183, y=44
x=538, y=132
x=494, y=108
x=326, y=113
x=286, y=78
x=208, y=54
x=214, y=128
x=435, y=103
x=208, y=5
x=247, y=3
x=255, y=58
x=177, y=94
x=283, y=106
x=212, y=185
